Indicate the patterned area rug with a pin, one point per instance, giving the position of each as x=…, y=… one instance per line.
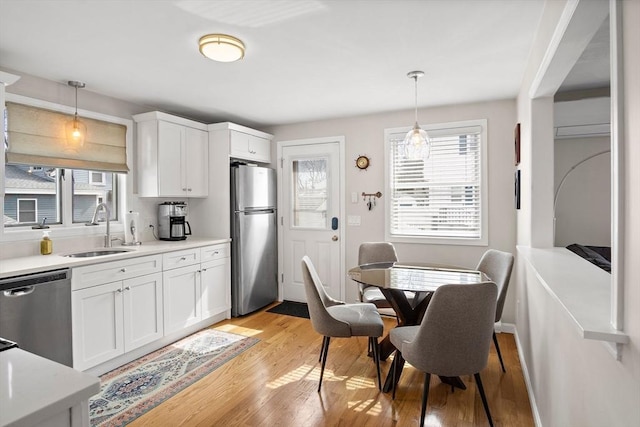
x=137, y=387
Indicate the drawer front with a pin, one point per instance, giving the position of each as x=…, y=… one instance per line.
x=91, y=275
x=180, y=258
x=213, y=252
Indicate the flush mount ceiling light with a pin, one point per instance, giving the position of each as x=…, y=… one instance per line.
x=75, y=129
x=221, y=47
x=416, y=142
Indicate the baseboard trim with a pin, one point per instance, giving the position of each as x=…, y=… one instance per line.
x=527, y=378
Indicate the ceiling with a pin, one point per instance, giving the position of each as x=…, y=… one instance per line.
x=306, y=59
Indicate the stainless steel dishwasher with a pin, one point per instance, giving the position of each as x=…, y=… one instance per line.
x=35, y=312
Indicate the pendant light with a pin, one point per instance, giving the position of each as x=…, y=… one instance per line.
x=76, y=130
x=416, y=142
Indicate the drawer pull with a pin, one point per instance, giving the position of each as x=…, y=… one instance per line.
x=216, y=253
x=123, y=270
x=183, y=259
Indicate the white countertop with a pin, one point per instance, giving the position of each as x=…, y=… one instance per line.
x=37, y=263
x=33, y=389
x=583, y=289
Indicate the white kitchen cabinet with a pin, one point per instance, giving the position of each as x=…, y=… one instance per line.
x=242, y=142
x=116, y=307
x=142, y=310
x=215, y=280
x=172, y=156
x=196, y=285
x=181, y=298
x=97, y=324
x=249, y=147
x=114, y=318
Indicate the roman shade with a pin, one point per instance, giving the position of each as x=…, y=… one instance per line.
x=36, y=136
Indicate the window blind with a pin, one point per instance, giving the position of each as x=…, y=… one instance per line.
x=440, y=196
x=36, y=136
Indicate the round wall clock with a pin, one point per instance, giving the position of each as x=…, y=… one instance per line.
x=362, y=162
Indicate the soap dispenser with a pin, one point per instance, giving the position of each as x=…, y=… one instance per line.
x=46, y=245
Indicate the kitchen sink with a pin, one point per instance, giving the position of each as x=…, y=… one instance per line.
x=97, y=252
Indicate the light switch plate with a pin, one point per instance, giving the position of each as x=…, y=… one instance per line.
x=353, y=220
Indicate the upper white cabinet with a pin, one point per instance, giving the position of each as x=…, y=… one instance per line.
x=244, y=143
x=172, y=156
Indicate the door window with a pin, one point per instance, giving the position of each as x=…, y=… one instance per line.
x=309, y=199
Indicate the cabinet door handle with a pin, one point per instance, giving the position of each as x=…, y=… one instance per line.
x=123, y=270
x=204, y=269
x=188, y=189
x=184, y=189
x=128, y=288
x=119, y=290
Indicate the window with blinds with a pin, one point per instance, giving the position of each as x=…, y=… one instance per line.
x=439, y=194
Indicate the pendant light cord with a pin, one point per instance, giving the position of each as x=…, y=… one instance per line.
x=415, y=78
x=76, y=115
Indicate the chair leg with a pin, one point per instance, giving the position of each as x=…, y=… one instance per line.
x=325, y=352
x=322, y=349
x=484, y=398
x=425, y=396
x=495, y=341
x=373, y=342
x=394, y=379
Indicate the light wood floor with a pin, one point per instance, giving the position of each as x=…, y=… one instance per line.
x=274, y=383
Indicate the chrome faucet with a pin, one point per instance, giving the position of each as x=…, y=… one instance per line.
x=107, y=215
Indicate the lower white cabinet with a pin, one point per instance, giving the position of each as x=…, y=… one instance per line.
x=214, y=281
x=113, y=318
x=181, y=297
x=123, y=305
x=198, y=291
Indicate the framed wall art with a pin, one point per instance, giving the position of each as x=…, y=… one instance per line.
x=517, y=189
x=517, y=143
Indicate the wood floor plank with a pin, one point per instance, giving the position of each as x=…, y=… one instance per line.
x=274, y=383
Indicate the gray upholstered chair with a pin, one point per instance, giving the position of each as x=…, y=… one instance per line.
x=453, y=338
x=368, y=253
x=332, y=318
x=497, y=265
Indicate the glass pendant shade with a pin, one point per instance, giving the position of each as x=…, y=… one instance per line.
x=75, y=131
x=416, y=142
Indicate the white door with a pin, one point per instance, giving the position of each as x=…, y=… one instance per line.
x=195, y=170
x=215, y=287
x=311, y=214
x=97, y=324
x=181, y=291
x=142, y=307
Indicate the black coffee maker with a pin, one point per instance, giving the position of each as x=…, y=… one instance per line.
x=172, y=223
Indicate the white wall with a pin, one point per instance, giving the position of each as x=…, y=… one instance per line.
x=365, y=135
x=583, y=209
x=575, y=381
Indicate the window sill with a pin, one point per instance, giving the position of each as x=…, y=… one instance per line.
x=581, y=288
x=395, y=238
x=57, y=231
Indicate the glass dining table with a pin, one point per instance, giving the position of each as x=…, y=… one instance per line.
x=395, y=279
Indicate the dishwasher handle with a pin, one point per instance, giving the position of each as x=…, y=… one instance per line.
x=19, y=292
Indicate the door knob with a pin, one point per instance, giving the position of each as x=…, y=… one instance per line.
x=334, y=238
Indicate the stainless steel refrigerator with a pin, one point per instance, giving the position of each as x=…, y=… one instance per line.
x=254, y=252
